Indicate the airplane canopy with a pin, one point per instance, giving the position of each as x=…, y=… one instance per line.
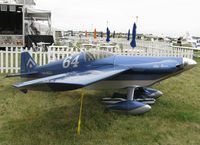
x=95, y=54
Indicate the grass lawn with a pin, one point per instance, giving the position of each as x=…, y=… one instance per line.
x=39, y=118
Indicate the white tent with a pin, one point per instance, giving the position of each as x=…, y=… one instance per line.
x=32, y=16
x=42, y=15
x=26, y=2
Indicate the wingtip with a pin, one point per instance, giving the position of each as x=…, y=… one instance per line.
x=18, y=87
x=15, y=86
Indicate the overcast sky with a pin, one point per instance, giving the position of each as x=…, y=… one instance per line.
x=168, y=17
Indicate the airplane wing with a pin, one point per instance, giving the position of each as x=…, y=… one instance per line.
x=69, y=81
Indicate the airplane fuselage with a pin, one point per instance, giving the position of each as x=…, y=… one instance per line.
x=102, y=70
x=144, y=71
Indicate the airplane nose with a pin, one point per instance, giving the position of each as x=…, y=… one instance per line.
x=189, y=62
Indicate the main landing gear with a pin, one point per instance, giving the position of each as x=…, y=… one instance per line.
x=137, y=101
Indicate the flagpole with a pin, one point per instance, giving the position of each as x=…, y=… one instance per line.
x=136, y=20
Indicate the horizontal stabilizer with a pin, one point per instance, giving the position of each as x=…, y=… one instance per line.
x=21, y=74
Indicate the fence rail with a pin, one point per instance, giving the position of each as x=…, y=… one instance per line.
x=10, y=58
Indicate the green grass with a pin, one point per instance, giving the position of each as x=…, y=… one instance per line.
x=39, y=118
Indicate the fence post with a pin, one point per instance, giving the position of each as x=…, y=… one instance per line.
x=2, y=68
x=49, y=54
x=7, y=60
x=54, y=54
x=16, y=60
x=40, y=55
x=44, y=57
x=11, y=59
x=36, y=57
x=31, y=52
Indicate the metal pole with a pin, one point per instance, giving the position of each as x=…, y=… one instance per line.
x=23, y=27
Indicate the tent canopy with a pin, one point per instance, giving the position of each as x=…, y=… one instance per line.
x=38, y=14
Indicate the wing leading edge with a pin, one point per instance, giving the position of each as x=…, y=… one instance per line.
x=69, y=81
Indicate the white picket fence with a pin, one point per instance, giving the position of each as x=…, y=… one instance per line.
x=10, y=59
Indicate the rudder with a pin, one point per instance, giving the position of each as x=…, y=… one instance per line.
x=27, y=63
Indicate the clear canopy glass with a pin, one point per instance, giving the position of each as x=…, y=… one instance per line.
x=96, y=54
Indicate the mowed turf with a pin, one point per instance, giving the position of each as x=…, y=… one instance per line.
x=48, y=118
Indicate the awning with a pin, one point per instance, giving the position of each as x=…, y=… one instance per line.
x=37, y=14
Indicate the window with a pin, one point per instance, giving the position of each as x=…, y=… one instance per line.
x=11, y=20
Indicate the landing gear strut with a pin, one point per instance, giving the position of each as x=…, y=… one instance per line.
x=130, y=94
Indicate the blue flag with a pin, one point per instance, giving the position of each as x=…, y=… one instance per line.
x=133, y=41
x=129, y=33
x=108, y=35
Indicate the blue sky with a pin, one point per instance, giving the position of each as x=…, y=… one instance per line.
x=168, y=17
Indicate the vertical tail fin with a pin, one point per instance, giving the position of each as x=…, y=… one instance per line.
x=27, y=63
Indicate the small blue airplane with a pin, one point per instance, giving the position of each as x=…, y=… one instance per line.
x=103, y=70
